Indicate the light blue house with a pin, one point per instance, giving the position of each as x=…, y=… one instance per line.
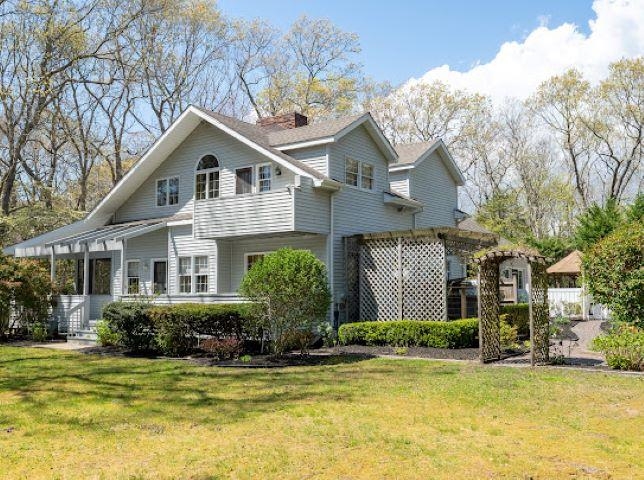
x=214, y=194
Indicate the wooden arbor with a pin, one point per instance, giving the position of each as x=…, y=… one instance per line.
x=489, y=304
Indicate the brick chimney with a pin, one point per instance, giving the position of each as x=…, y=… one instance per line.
x=288, y=120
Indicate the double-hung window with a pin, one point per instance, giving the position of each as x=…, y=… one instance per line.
x=207, y=178
x=185, y=274
x=133, y=277
x=193, y=274
x=244, y=180
x=251, y=259
x=167, y=191
x=358, y=174
x=264, y=174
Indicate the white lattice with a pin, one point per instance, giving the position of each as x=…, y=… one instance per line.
x=378, y=280
x=423, y=279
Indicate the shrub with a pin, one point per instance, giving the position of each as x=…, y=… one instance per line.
x=412, y=333
x=39, y=332
x=290, y=292
x=507, y=332
x=624, y=348
x=224, y=348
x=614, y=269
x=177, y=327
x=518, y=316
x=131, y=322
x=106, y=336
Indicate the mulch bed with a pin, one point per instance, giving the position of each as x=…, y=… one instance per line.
x=421, y=352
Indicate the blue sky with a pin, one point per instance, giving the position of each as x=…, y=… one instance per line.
x=405, y=38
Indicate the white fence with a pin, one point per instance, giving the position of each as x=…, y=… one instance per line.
x=573, y=302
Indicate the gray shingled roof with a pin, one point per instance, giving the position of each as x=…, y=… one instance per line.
x=314, y=131
x=258, y=136
x=410, y=152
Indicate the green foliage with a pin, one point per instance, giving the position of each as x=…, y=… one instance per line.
x=614, y=271
x=25, y=284
x=555, y=248
x=623, y=348
x=130, y=320
x=504, y=215
x=39, y=332
x=290, y=292
x=412, y=333
x=37, y=219
x=508, y=333
x=106, y=336
x=635, y=211
x=596, y=223
x=518, y=316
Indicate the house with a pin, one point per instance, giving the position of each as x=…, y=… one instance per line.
x=213, y=194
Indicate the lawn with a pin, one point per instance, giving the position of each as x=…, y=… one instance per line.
x=68, y=415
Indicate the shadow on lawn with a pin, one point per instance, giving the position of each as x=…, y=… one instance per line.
x=55, y=389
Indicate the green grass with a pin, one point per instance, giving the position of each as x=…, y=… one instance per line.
x=67, y=415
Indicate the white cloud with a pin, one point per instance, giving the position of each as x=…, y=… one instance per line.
x=518, y=68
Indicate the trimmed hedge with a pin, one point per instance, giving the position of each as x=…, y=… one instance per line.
x=518, y=315
x=412, y=333
x=173, y=329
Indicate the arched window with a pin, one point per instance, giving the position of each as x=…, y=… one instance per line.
x=207, y=178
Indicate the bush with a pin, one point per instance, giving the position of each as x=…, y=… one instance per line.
x=224, y=348
x=614, y=269
x=518, y=316
x=290, y=292
x=131, y=322
x=412, y=333
x=507, y=333
x=624, y=348
x=39, y=332
x=106, y=336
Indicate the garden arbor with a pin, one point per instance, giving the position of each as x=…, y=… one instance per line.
x=489, y=303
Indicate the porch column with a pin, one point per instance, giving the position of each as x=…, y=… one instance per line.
x=86, y=271
x=52, y=267
x=124, y=287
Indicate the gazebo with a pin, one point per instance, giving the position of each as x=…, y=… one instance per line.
x=489, y=303
x=566, y=271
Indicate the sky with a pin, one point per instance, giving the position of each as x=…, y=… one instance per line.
x=498, y=47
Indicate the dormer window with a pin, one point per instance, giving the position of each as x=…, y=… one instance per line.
x=207, y=178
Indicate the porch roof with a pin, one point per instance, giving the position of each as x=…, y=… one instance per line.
x=99, y=239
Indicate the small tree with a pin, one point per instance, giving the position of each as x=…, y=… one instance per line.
x=291, y=294
x=614, y=271
x=596, y=223
x=25, y=290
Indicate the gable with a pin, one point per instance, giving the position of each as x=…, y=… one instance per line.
x=204, y=140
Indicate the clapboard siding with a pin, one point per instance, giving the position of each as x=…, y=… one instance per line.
x=359, y=211
x=313, y=156
x=434, y=186
x=183, y=244
x=399, y=182
x=314, y=243
x=312, y=209
x=204, y=140
x=268, y=212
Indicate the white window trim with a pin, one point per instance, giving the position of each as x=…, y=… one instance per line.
x=193, y=275
x=127, y=276
x=156, y=191
x=167, y=274
x=360, y=163
x=257, y=179
x=248, y=254
x=207, y=172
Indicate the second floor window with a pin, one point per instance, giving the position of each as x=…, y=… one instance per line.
x=358, y=174
x=244, y=180
x=207, y=178
x=167, y=191
x=264, y=177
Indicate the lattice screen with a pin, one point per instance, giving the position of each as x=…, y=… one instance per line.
x=378, y=279
x=540, y=312
x=352, y=264
x=423, y=279
x=489, y=328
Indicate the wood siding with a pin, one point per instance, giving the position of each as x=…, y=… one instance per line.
x=433, y=185
x=313, y=156
x=204, y=140
x=182, y=244
x=399, y=182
